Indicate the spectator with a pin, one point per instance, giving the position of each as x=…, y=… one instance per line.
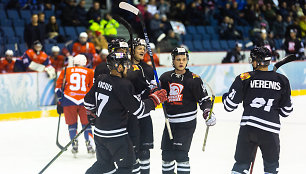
x=95, y=25
x=195, y=15
x=283, y=10
x=294, y=45
x=69, y=15
x=94, y=11
x=295, y=26
x=278, y=27
x=169, y=43
x=7, y=63
x=166, y=24
x=57, y=60
x=234, y=55
x=179, y=13
x=269, y=13
x=81, y=13
x=49, y=5
x=163, y=7
x=33, y=31
x=228, y=31
x=264, y=41
x=147, y=58
x=34, y=59
x=156, y=27
x=302, y=25
x=109, y=25
x=52, y=31
x=82, y=46
x=98, y=40
x=152, y=7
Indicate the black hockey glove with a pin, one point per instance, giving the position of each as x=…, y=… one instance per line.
x=59, y=108
x=91, y=117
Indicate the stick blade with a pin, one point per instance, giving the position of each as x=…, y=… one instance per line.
x=128, y=7
x=285, y=60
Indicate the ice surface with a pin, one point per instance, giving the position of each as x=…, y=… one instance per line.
x=28, y=145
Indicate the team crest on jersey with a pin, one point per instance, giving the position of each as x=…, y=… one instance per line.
x=135, y=67
x=244, y=76
x=175, y=92
x=195, y=75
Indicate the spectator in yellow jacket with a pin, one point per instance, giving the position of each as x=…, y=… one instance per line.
x=110, y=25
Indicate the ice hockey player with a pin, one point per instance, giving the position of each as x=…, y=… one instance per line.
x=7, y=63
x=58, y=60
x=111, y=99
x=34, y=59
x=185, y=89
x=265, y=96
x=77, y=81
x=116, y=45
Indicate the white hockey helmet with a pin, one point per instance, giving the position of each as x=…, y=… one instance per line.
x=83, y=34
x=55, y=49
x=80, y=59
x=9, y=53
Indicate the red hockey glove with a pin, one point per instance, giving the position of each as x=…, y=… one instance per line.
x=158, y=96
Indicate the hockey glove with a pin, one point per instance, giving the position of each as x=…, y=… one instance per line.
x=91, y=117
x=59, y=108
x=209, y=121
x=51, y=72
x=158, y=96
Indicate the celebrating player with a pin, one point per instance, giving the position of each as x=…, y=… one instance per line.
x=77, y=82
x=265, y=96
x=184, y=89
x=111, y=99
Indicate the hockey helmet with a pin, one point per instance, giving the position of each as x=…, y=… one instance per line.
x=116, y=44
x=80, y=59
x=37, y=46
x=261, y=55
x=179, y=51
x=9, y=53
x=139, y=41
x=55, y=49
x=114, y=59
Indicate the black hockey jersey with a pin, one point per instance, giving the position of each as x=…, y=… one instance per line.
x=265, y=96
x=111, y=98
x=184, y=91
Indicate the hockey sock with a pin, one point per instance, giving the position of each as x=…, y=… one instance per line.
x=87, y=132
x=136, y=167
x=183, y=167
x=72, y=130
x=144, y=157
x=168, y=167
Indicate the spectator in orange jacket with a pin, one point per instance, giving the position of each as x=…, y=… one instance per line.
x=7, y=63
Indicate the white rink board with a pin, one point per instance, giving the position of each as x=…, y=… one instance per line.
x=28, y=145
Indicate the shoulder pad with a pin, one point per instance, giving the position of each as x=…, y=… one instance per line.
x=135, y=67
x=244, y=76
x=195, y=76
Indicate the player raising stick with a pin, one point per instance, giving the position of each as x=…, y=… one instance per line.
x=265, y=96
x=185, y=89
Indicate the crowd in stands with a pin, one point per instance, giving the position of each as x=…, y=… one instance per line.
x=200, y=25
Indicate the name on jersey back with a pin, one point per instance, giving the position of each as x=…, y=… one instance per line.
x=105, y=86
x=265, y=84
x=79, y=70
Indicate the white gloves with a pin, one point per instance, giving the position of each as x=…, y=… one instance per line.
x=51, y=72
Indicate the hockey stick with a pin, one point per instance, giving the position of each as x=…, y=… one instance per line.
x=59, y=116
x=285, y=60
x=209, y=116
x=129, y=28
x=278, y=64
x=65, y=148
x=132, y=9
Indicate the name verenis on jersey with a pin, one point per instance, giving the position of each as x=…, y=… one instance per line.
x=267, y=84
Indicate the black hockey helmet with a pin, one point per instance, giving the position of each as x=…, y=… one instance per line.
x=179, y=51
x=114, y=59
x=116, y=44
x=261, y=55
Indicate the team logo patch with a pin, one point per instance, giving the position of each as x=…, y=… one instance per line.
x=175, y=92
x=135, y=68
x=195, y=75
x=244, y=76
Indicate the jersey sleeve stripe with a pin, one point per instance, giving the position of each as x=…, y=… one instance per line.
x=139, y=109
x=227, y=108
x=231, y=102
x=284, y=112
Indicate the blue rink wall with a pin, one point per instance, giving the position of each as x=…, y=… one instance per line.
x=25, y=94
